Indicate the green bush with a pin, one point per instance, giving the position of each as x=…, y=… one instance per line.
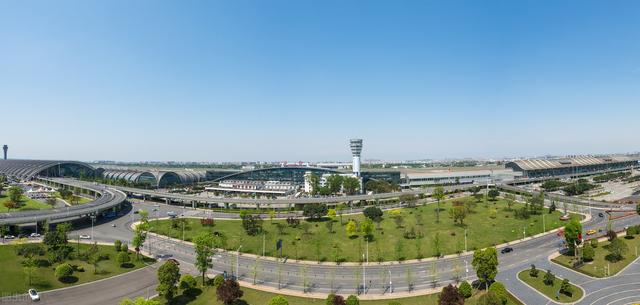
x=533, y=272
x=594, y=243
x=465, y=289
x=117, y=244
x=329, y=300
x=489, y=298
x=187, y=282
x=218, y=280
x=500, y=291
x=63, y=271
x=123, y=258
x=353, y=300
x=278, y=300
x=566, y=288
x=549, y=278
x=588, y=252
x=124, y=247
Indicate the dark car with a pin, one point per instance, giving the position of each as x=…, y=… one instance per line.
x=600, y=215
x=506, y=250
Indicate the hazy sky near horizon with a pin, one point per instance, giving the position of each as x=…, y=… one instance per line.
x=294, y=80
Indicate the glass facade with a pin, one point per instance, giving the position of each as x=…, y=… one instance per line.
x=294, y=175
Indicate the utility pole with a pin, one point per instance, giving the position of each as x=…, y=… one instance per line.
x=465, y=240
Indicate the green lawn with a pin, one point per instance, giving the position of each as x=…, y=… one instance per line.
x=388, y=243
x=598, y=265
x=82, y=200
x=550, y=291
x=257, y=297
x=27, y=204
x=13, y=278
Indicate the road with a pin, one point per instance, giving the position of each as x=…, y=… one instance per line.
x=381, y=279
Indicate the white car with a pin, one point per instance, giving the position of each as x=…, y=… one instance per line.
x=33, y=294
x=34, y=235
x=9, y=237
x=85, y=236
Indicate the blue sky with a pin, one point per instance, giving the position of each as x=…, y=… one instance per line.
x=294, y=80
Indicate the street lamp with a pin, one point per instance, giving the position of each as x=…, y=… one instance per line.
x=364, y=276
x=93, y=218
x=238, y=263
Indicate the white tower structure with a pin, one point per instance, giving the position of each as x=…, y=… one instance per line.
x=356, y=150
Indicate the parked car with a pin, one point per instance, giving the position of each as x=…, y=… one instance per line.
x=172, y=214
x=600, y=214
x=9, y=237
x=565, y=217
x=136, y=212
x=85, y=236
x=173, y=260
x=506, y=250
x=33, y=294
x=591, y=232
x=34, y=235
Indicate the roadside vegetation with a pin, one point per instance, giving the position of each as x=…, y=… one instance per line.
x=328, y=234
x=58, y=262
x=13, y=199
x=545, y=282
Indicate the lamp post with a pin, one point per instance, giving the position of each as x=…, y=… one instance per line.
x=238, y=263
x=465, y=240
x=93, y=217
x=364, y=276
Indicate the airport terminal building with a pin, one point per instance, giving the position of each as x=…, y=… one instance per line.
x=578, y=165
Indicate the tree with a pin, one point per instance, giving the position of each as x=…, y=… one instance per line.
x=352, y=300
x=117, y=244
x=168, y=277
x=124, y=247
x=314, y=210
x=351, y=185
x=331, y=213
x=229, y=291
x=139, y=236
x=552, y=207
x=252, y=224
x=533, y=272
x=139, y=301
x=638, y=208
x=340, y=209
x=57, y=243
x=450, y=296
x=573, y=234
x=351, y=228
x=409, y=199
x=438, y=194
x=334, y=183
x=123, y=258
x=465, y=289
x=15, y=194
x=617, y=249
x=373, y=213
x=278, y=300
x=10, y=204
x=399, y=220
x=329, y=225
x=272, y=215
x=489, y=298
x=333, y=299
x=493, y=194
x=500, y=291
x=486, y=264
x=187, y=282
x=203, y=244
x=314, y=180
x=566, y=288
x=437, y=244
x=63, y=271
x=367, y=228
x=511, y=199
x=218, y=280
x=549, y=278
x=588, y=252
x=458, y=212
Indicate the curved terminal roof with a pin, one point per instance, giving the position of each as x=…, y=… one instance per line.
x=27, y=169
x=294, y=174
x=159, y=178
x=542, y=164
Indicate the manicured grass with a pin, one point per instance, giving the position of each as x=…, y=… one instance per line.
x=13, y=278
x=597, y=267
x=257, y=297
x=82, y=200
x=27, y=204
x=388, y=242
x=550, y=291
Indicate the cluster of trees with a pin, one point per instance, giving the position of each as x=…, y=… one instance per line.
x=381, y=186
x=315, y=210
x=252, y=224
x=553, y=185
x=451, y=295
x=15, y=198
x=534, y=205
x=549, y=279
x=333, y=299
x=611, y=176
x=578, y=188
x=335, y=185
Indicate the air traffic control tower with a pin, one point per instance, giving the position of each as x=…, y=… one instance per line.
x=5, y=148
x=356, y=150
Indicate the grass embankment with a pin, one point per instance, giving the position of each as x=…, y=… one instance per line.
x=551, y=291
x=26, y=204
x=13, y=278
x=486, y=226
x=598, y=266
x=257, y=297
x=81, y=199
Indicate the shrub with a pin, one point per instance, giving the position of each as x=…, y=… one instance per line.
x=124, y=247
x=500, y=291
x=588, y=252
x=489, y=298
x=63, y=271
x=465, y=289
x=278, y=300
x=566, y=288
x=394, y=303
x=353, y=300
x=594, y=242
x=117, y=245
x=549, y=278
x=187, y=282
x=533, y=272
x=611, y=235
x=218, y=280
x=123, y=258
